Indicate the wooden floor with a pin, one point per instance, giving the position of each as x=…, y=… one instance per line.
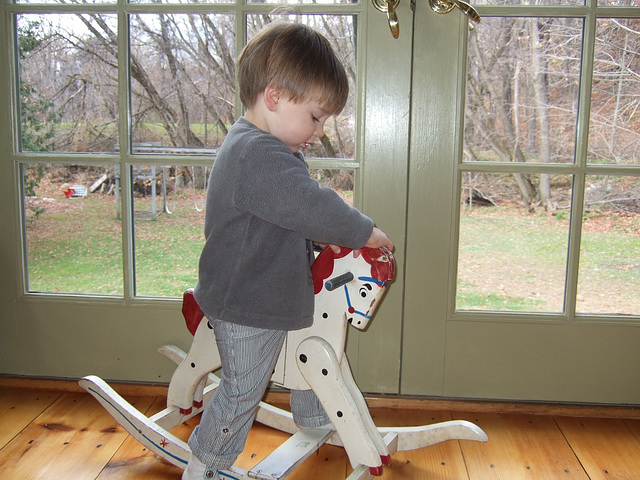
x=66, y=435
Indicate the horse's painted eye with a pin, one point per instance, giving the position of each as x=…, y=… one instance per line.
x=365, y=289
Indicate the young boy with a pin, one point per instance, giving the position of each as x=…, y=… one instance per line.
x=263, y=212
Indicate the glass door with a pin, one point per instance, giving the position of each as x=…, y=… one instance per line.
x=113, y=116
x=502, y=161
x=523, y=221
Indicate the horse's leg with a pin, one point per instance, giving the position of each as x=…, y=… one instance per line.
x=319, y=365
x=365, y=415
x=185, y=388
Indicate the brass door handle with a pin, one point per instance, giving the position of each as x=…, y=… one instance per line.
x=445, y=6
x=389, y=7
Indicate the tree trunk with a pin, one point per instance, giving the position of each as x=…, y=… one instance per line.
x=542, y=114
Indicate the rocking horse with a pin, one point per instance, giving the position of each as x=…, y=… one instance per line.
x=348, y=289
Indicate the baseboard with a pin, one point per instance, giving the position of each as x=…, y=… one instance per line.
x=281, y=399
x=71, y=385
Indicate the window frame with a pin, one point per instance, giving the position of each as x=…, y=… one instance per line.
x=124, y=158
x=579, y=170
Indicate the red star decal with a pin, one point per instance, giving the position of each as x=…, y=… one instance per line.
x=164, y=443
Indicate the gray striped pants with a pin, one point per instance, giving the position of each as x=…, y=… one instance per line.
x=248, y=356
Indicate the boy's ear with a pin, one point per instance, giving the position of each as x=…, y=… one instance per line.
x=272, y=96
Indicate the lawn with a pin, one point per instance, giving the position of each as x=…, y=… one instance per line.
x=508, y=259
x=75, y=246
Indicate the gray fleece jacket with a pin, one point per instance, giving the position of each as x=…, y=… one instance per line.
x=262, y=209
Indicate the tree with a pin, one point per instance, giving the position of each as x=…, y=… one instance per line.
x=522, y=95
x=182, y=69
x=37, y=116
x=615, y=118
x=521, y=102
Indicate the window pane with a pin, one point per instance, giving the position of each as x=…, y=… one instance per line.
x=340, y=30
x=510, y=257
x=522, y=90
x=614, y=128
x=68, y=82
x=618, y=3
x=73, y=234
x=609, y=279
x=302, y=2
x=169, y=227
x=181, y=1
x=529, y=2
x=64, y=1
x=183, y=79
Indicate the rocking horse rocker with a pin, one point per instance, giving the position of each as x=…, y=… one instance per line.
x=348, y=290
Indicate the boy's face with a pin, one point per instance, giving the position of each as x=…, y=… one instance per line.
x=298, y=124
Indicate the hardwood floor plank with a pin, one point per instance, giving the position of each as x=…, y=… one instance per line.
x=608, y=448
x=328, y=462
x=519, y=447
x=72, y=439
x=443, y=461
x=132, y=461
x=385, y=401
x=48, y=435
x=634, y=426
x=18, y=408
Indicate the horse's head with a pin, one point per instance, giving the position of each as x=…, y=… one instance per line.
x=354, y=284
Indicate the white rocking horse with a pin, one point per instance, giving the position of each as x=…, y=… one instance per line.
x=348, y=290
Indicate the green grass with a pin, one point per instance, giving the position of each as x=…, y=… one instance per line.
x=508, y=260
x=75, y=246
x=471, y=298
x=611, y=256
x=167, y=253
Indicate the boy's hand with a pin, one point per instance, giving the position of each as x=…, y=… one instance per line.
x=377, y=239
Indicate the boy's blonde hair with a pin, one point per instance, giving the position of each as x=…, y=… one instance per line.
x=297, y=59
